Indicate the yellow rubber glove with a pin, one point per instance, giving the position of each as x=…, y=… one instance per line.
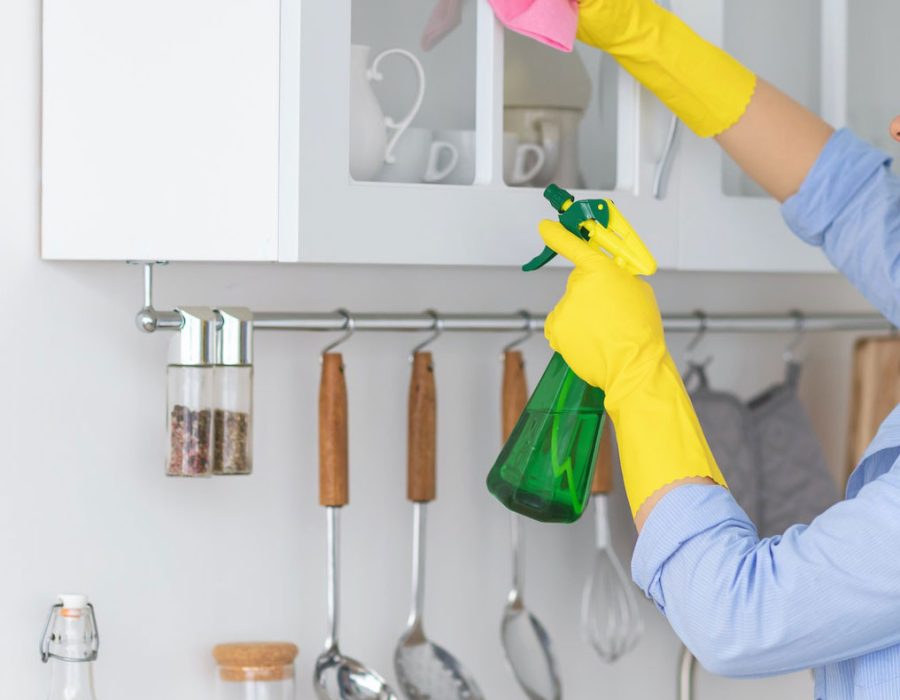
x=608, y=329
x=708, y=89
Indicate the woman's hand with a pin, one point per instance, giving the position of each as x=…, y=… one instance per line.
x=703, y=85
x=607, y=325
x=608, y=328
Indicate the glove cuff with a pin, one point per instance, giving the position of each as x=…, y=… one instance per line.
x=702, y=84
x=660, y=439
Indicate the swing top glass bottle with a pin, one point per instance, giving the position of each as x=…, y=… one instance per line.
x=70, y=643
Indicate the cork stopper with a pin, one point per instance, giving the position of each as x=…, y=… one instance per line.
x=255, y=661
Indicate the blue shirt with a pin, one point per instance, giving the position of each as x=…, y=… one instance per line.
x=827, y=595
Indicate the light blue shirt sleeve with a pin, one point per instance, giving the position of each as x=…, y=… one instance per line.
x=849, y=205
x=746, y=606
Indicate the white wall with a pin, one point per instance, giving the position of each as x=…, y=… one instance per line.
x=175, y=566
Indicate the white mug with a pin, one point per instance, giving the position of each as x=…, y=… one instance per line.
x=419, y=158
x=464, y=142
x=515, y=155
x=555, y=130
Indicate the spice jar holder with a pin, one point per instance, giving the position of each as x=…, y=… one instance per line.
x=210, y=393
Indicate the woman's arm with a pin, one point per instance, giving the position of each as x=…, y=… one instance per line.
x=776, y=141
x=772, y=137
x=746, y=607
x=640, y=517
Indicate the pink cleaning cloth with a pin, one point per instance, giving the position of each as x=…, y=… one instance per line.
x=552, y=22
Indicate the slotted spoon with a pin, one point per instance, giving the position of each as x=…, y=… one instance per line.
x=425, y=670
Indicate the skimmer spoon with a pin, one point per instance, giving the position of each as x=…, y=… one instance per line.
x=338, y=677
x=610, y=617
x=525, y=641
x=425, y=670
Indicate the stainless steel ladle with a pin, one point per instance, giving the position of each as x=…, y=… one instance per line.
x=525, y=641
x=338, y=677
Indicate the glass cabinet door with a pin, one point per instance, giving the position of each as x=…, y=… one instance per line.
x=873, y=87
x=559, y=116
x=726, y=222
x=412, y=92
x=428, y=134
x=413, y=102
x=782, y=42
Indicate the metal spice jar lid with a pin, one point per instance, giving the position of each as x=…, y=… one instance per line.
x=255, y=661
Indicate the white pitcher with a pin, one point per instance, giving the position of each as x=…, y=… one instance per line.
x=370, y=144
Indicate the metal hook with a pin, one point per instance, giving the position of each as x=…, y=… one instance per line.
x=702, y=321
x=349, y=327
x=701, y=332
x=799, y=322
x=437, y=327
x=529, y=331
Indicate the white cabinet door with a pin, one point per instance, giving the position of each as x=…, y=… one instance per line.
x=160, y=129
x=477, y=218
x=726, y=222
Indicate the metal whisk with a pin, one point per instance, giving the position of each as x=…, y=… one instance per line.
x=610, y=617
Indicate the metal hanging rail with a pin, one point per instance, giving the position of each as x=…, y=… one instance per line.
x=520, y=322
x=149, y=320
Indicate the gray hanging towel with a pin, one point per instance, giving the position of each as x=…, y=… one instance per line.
x=795, y=485
x=728, y=427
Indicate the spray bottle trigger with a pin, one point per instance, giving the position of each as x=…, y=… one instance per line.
x=545, y=256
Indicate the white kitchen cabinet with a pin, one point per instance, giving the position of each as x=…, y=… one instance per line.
x=204, y=130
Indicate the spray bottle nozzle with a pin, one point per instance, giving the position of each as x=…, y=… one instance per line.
x=601, y=224
x=572, y=215
x=559, y=199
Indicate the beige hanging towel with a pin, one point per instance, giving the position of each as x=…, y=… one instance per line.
x=876, y=390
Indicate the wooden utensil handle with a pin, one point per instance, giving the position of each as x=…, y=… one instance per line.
x=421, y=450
x=603, y=470
x=515, y=391
x=333, y=459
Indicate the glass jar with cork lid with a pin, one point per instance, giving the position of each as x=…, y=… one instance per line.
x=255, y=670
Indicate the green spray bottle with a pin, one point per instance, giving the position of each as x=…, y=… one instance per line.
x=545, y=469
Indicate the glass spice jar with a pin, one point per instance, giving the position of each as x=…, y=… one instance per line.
x=255, y=671
x=191, y=384
x=233, y=452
